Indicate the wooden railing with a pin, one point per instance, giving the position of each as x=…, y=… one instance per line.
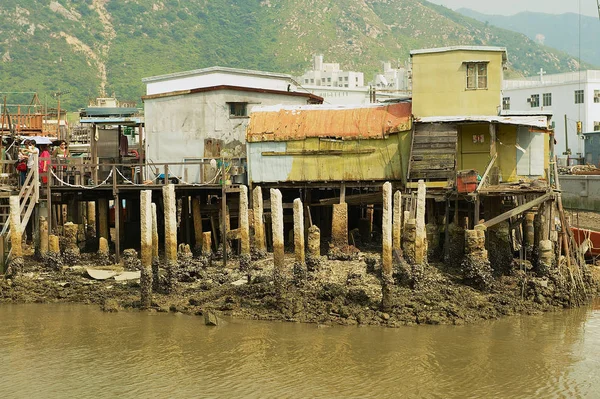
x=29, y=196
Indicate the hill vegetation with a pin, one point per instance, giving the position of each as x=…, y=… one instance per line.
x=88, y=47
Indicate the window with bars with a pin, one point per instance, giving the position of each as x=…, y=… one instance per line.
x=597, y=96
x=534, y=100
x=238, y=109
x=506, y=103
x=578, y=96
x=547, y=99
x=476, y=75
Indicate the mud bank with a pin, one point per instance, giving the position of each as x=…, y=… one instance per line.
x=337, y=292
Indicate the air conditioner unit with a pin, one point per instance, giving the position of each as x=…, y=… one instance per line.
x=528, y=99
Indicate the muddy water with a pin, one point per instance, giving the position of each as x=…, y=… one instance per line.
x=64, y=351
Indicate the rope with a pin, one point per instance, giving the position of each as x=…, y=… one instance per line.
x=130, y=182
x=80, y=186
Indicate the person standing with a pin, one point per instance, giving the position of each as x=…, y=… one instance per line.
x=32, y=156
x=44, y=163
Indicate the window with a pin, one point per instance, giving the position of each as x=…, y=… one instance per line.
x=238, y=109
x=596, y=126
x=346, y=78
x=329, y=79
x=547, y=98
x=305, y=81
x=597, y=96
x=312, y=81
x=534, y=100
x=505, y=103
x=476, y=75
x=578, y=96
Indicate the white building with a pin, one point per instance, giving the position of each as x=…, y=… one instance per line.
x=204, y=113
x=574, y=94
x=347, y=88
x=330, y=75
x=392, y=78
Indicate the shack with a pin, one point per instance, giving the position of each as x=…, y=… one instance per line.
x=329, y=145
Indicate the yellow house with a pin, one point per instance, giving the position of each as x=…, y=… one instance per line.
x=458, y=122
x=458, y=80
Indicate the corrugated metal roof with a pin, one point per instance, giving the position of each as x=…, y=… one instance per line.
x=341, y=122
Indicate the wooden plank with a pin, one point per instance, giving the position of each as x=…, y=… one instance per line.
x=518, y=210
x=487, y=170
x=433, y=149
x=430, y=184
x=425, y=157
x=422, y=166
x=436, y=139
x=433, y=174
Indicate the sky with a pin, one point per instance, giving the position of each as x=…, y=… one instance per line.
x=511, y=7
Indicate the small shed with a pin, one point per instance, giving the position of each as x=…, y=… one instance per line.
x=592, y=148
x=324, y=143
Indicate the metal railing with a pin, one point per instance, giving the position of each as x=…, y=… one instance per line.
x=72, y=172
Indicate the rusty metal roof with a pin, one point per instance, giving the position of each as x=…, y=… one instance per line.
x=284, y=123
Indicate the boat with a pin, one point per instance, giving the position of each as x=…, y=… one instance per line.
x=587, y=240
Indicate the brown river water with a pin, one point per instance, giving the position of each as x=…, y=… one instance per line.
x=77, y=351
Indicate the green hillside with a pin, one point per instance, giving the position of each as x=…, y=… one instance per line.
x=86, y=46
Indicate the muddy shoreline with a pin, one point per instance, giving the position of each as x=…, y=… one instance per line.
x=340, y=292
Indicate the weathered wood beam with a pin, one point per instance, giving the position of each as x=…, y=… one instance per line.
x=518, y=210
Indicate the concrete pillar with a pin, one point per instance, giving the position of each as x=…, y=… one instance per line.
x=259, y=226
x=15, y=265
x=103, y=218
x=299, y=231
x=387, y=235
x=339, y=225
x=456, y=246
x=397, y=222
x=155, y=258
x=277, y=228
x=386, y=229
x=53, y=244
x=313, y=255
x=206, y=243
x=71, y=253
x=421, y=233
x=409, y=241
x=476, y=267
x=546, y=258
x=243, y=221
x=90, y=231
x=43, y=237
x=103, y=252
x=53, y=259
x=170, y=209
x=197, y=217
x=146, y=248
x=529, y=229
x=499, y=248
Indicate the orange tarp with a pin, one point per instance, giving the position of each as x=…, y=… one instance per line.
x=340, y=122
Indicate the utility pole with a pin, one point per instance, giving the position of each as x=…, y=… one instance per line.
x=567, y=149
x=57, y=95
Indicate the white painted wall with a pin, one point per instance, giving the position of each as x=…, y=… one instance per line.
x=351, y=96
x=562, y=86
x=177, y=126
